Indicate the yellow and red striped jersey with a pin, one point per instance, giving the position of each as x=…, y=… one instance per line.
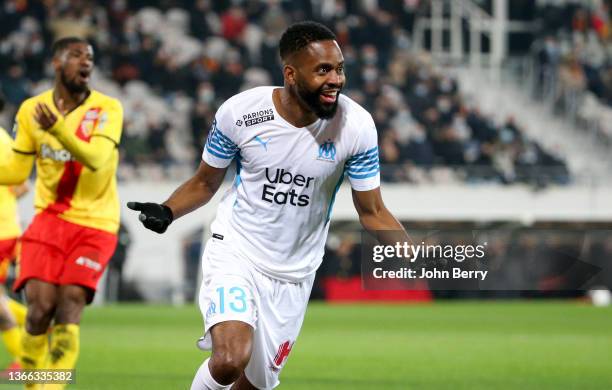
x=64, y=186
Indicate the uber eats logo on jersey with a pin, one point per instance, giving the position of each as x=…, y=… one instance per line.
x=257, y=117
x=280, y=176
x=61, y=155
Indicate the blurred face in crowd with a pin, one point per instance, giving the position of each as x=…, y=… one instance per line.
x=74, y=65
x=318, y=77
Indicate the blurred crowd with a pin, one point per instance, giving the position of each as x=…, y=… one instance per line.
x=173, y=62
x=574, y=60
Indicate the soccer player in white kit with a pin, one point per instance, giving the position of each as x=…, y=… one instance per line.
x=293, y=146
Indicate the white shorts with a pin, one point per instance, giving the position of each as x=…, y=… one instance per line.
x=232, y=289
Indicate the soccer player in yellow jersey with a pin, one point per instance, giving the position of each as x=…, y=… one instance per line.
x=12, y=313
x=72, y=133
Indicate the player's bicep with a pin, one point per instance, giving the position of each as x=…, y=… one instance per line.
x=368, y=202
x=210, y=176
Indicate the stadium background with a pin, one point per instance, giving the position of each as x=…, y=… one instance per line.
x=493, y=116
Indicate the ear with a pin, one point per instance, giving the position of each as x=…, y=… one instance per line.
x=289, y=74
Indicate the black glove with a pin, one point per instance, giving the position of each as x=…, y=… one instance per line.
x=154, y=216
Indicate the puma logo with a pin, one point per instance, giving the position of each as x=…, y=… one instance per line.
x=264, y=144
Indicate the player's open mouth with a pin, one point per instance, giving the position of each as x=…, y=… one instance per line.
x=85, y=75
x=329, y=96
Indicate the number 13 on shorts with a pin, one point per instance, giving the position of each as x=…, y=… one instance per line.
x=235, y=297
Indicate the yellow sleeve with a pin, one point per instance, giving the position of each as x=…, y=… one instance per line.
x=24, y=142
x=15, y=167
x=111, y=122
x=95, y=153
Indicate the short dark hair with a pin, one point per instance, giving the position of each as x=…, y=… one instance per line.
x=63, y=43
x=300, y=34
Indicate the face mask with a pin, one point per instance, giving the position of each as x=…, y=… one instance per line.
x=206, y=95
x=418, y=136
x=370, y=74
x=421, y=90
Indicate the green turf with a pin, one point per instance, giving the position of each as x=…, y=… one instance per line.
x=492, y=345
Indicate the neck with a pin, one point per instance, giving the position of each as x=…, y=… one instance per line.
x=292, y=109
x=70, y=99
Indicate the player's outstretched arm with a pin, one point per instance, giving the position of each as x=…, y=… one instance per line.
x=93, y=153
x=192, y=194
x=376, y=218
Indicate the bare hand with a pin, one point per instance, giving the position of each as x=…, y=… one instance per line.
x=45, y=117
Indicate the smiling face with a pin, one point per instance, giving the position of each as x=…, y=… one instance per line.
x=316, y=76
x=74, y=65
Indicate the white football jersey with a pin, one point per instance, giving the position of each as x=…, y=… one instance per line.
x=278, y=210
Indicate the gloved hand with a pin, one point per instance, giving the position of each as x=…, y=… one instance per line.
x=154, y=216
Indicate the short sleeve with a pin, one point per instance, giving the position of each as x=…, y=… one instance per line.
x=362, y=168
x=111, y=122
x=221, y=146
x=24, y=142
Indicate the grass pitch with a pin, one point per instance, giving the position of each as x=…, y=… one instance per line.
x=458, y=345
